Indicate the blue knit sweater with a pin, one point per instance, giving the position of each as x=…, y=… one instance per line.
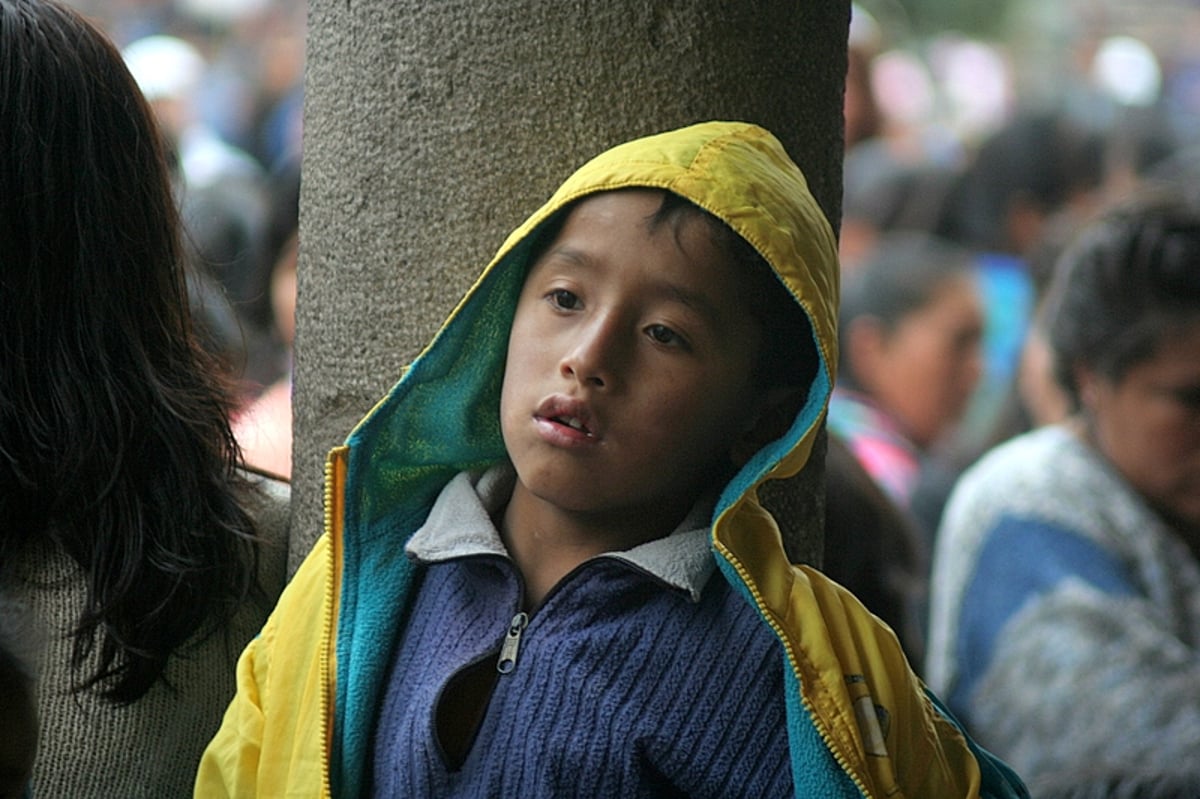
x=621, y=686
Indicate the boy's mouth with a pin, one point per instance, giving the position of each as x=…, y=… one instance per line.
x=567, y=412
x=572, y=422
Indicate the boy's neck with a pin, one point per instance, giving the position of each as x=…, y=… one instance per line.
x=547, y=542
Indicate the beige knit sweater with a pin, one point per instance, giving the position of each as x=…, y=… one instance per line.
x=90, y=748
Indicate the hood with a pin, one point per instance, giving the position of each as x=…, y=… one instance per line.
x=443, y=415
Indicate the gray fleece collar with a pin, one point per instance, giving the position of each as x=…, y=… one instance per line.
x=460, y=524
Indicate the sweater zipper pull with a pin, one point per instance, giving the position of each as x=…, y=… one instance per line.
x=512, y=642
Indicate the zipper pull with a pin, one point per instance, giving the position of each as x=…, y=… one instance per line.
x=512, y=641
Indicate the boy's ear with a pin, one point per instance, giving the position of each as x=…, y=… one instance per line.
x=776, y=412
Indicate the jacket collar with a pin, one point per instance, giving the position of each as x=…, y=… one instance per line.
x=460, y=525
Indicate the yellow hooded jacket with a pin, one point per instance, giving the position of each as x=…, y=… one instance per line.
x=300, y=724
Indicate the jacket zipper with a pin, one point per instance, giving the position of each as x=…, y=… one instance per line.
x=334, y=488
x=512, y=643
x=817, y=721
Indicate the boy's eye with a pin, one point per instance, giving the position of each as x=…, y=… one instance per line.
x=561, y=298
x=663, y=335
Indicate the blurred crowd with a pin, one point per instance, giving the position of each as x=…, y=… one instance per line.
x=226, y=79
x=1019, y=373
x=238, y=74
x=988, y=155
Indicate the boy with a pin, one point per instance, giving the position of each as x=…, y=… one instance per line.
x=518, y=590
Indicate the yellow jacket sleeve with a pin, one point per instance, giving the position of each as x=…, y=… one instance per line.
x=276, y=734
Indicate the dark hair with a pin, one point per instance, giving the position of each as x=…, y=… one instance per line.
x=901, y=276
x=115, y=440
x=1039, y=159
x=890, y=194
x=1128, y=279
x=19, y=656
x=19, y=648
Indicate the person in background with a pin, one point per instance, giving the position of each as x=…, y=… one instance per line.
x=169, y=70
x=860, y=110
x=910, y=326
x=875, y=549
x=224, y=199
x=1037, y=166
x=1065, y=593
x=882, y=195
x=131, y=533
x=1139, y=148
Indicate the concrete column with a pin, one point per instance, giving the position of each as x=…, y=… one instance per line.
x=434, y=128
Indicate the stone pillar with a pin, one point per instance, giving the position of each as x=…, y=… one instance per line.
x=433, y=129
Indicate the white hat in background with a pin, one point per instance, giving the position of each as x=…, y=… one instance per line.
x=164, y=66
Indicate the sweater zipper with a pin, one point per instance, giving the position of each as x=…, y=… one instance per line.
x=512, y=643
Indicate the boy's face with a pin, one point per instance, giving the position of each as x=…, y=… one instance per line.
x=629, y=366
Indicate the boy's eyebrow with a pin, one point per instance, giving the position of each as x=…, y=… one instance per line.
x=570, y=254
x=697, y=301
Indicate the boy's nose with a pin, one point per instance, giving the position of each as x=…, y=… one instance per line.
x=594, y=356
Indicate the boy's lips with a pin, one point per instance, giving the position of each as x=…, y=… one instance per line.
x=569, y=413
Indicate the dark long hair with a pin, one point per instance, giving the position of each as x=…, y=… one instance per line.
x=114, y=430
